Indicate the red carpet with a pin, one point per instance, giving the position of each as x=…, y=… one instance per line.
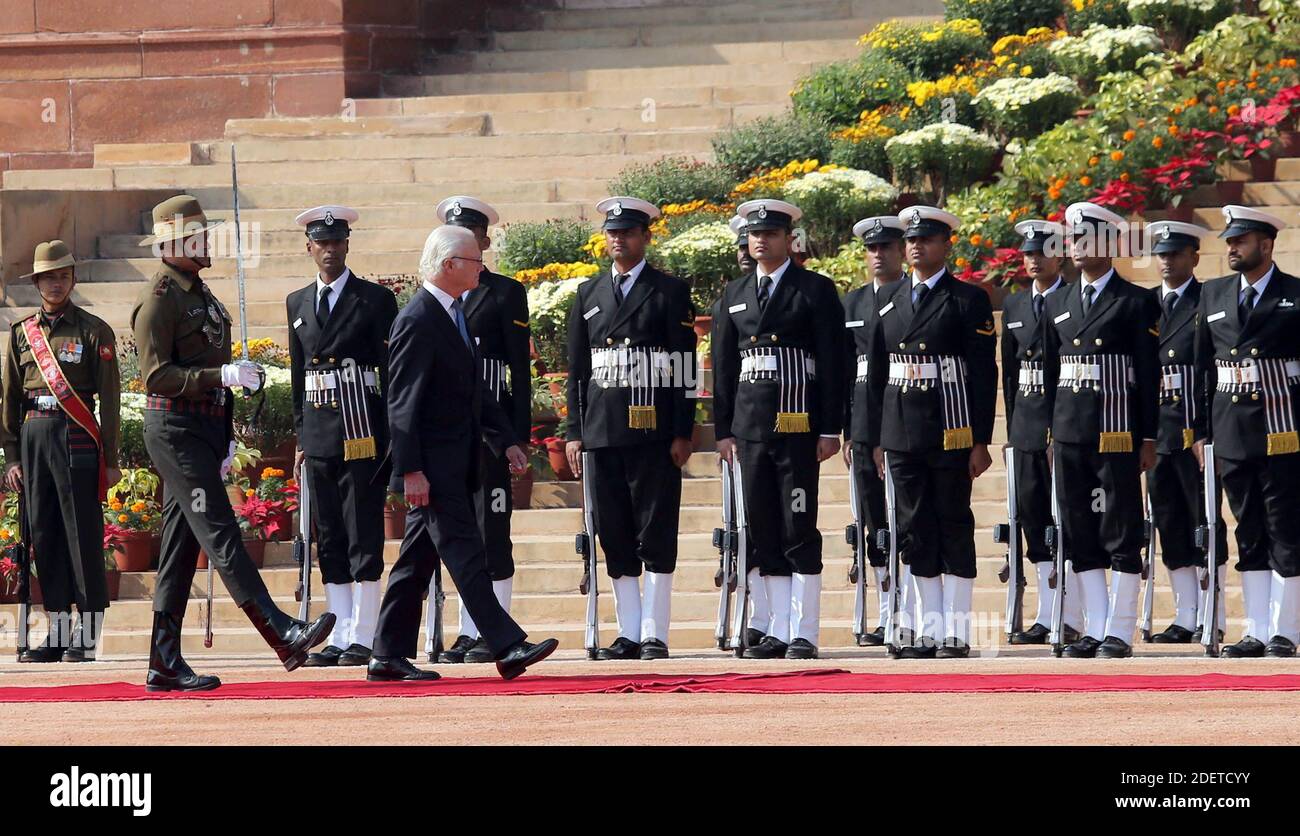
x=831, y=681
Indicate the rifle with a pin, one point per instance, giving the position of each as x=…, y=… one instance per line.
x=1009, y=534
x=724, y=540
x=439, y=601
x=1148, y=568
x=302, y=547
x=22, y=557
x=585, y=545
x=1207, y=537
x=887, y=541
x=1055, y=536
x=739, y=640
x=855, y=536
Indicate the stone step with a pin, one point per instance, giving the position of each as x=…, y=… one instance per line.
x=636, y=117
x=283, y=242
x=634, y=38
x=379, y=217
x=1277, y=192
x=295, y=198
x=648, y=59
x=466, y=124
x=498, y=103
x=752, y=11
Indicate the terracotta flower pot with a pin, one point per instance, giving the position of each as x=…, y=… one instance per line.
x=559, y=461
x=1183, y=212
x=114, y=578
x=1289, y=142
x=703, y=324
x=1263, y=169
x=284, y=533
x=1230, y=191
x=521, y=490
x=394, y=523
x=235, y=494
x=136, y=551
x=256, y=551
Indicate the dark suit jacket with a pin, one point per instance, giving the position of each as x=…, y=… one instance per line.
x=438, y=404
x=804, y=312
x=861, y=409
x=496, y=313
x=656, y=313
x=1238, y=429
x=357, y=329
x=1029, y=417
x=1124, y=319
x=954, y=319
x=1177, y=346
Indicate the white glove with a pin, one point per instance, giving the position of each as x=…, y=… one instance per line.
x=244, y=373
x=230, y=456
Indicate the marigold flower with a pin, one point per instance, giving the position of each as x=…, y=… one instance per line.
x=1158, y=142
x=1116, y=156
x=1130, y=135
x=1085, y=180
x=976, y=240
x=122, y=518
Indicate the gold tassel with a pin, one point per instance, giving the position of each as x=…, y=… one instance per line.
x=642, y=418
x=1116, y=443
x=793, y=422
x=358, y=448
x=1188, y=440
x=1280, y=444
x=958, y=438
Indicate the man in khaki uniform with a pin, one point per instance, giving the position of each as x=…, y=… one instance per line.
x=58, y=454
x=183, y=335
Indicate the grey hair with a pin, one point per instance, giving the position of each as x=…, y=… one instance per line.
x=443, y=243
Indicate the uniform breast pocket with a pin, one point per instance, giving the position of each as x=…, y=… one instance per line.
x=191, y=345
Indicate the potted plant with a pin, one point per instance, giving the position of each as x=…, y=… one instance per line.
x=237, y=483
x=258, y=523
x=132, y=508
x=558, y=458
x=1171, y=182
x=113, y=575
x=274, y=487
x=947, y=156
x=704, y=350
x=521, y=488
x=394, y=516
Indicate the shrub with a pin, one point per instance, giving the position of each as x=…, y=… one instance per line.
x=867, y=154
x=951, y=156
x=533, y=245
x=1101, y=49
x=704, y=256
x=1025, y=107
x=275, y=422
x=1080, y=14
x=548, y=309
x=838, y=93
x=832, y=201
x=847, y=268
x=1005, y=17
x=929, y=51
x=673, y=180
x=770, y=142
x=1179, y=20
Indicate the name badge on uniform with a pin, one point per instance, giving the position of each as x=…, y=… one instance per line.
x=1061, y=318
x=71, y=352
x=1215, y=317
x=738, y=308
x=297, y=323
x=857, y=323
x=886, y=309
x=589, y=314
x=1015, y=324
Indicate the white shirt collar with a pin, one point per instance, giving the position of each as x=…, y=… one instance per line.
x=1259, y=285
x=632, y=276
x=444, y=298
x=930, y=282
x=1055, y=287
x=879, y=285
x=775, y=274
x=336, y=287
x=1165, y=289
x=1100, y=284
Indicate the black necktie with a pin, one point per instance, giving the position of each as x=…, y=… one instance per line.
x=1038, y=305
x=1171, y=299
x=618, y=287
x=1247, y=303
x=1088, y=292
x=764, y=291
x=922, y=290
x=323, y=306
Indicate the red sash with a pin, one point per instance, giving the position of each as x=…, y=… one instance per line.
x=72, y=404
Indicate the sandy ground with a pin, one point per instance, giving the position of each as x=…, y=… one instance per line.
x=1095, y=718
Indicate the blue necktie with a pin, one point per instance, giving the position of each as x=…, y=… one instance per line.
x=459, y=316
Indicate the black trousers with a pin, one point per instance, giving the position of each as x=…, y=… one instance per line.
x=780, y=485
x=444, y=530
x=347, y=504
x=188, y=450
x=638, y=499
x=495, y=503
x=1264, y=495
x=1034, y=502
x=1177, y=490
x=61, y=482
x=871, y=500
x=932, y=503
x=1101, y=507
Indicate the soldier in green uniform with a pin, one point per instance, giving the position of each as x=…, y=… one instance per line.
x=183, y=335
x=60, y=361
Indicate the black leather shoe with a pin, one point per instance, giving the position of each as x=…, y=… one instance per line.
x=327, y=657
x=1280, y=647
x=654, y=649
x=1036, y=634
x=1248, y=648
x=927, y=649
x=769, y=648
x=396, y=669
x=82, y=648
x=1071, y=635
x=455, y=654
x=622, y=649
x=480, y=652
x=290, y=638
x=168, y=670
x=801, y=649
x=355, y=656
x=1084, y=648
x=875, y=638
x=953, y=649
x=754, y=637
x=78, y=654
x=519, y=657
x=1173, y=634
x=44, y=653
x=1200, y=634
x=1114, y=648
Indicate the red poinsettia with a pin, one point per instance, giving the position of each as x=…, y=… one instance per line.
x=260, y=517
x=112, y=536
x=8, y=569
x=1121, y=194
x=1179, y=175
x=1007, y=265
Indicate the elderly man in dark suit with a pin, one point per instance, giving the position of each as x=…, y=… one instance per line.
x=436, y=415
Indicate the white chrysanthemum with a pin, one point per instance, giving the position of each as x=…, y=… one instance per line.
x=1195, y=5
x=547, y=300
x=867, y=186
x=1014, y=93
x=708, y=238
x=1103, y=43
x=949, y=133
